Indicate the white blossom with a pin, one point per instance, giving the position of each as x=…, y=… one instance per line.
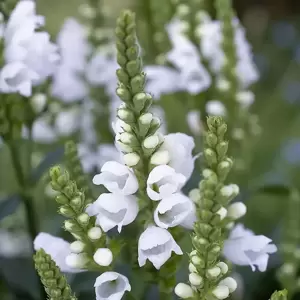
x=16, y=77
x=163, y=181
x=194, y=122
x=244, y=248
x=171, y=211
x=111, y=286
x=117, y=178
x=27, y=49
x=156, y=244
x=113, y=210
x=180, y=147
x=215, y=108
x=211, y=47
x=59, y=250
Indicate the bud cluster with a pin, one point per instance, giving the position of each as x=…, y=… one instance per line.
x=208, y=275
x=54, y=281
x=72, y=206
x=137, y=136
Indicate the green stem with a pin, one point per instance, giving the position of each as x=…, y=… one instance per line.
x=25, y=195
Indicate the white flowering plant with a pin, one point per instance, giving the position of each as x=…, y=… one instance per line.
x=147, y=194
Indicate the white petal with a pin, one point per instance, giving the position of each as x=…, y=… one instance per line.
x=111, y=286
x=157, y=245
x=57, y=248
x=180, y=147
x=171, y=211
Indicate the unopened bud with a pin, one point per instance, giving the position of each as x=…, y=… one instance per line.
x=77, y=247
x=160, y=157
x=131, y=159
x=103, y=257
x=236, y=210
x=221, y=292
x=184, y=291
x=95, y=233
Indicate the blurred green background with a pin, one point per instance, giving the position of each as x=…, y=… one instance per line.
x=274, y=31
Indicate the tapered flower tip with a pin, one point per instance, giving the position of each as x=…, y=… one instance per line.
x=117, y=178
x=111, y=286
x=157, y=245
x=172, y=211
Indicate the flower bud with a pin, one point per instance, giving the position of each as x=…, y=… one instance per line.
x=195, y=279
x=128, y=138
x=230, y=283
x=223, y=85
x=213, y=272
x=192, y=268
x=83, y=219
x=215, y=108
x=146, y=119
x=66, y=211
x=124, y=94
x=151, y=142
x=160, y=157
x=103, y=257
x=222, y=212
x=123, y=147
x=223, y=266
x=221, y=292
x=140, y=100
x=125, y=115
x=194, y=195
x=95, y=233
x=131, y=159
x=184, y=291
x=197, y=261
x=245, y=98
x=76, y=261
x=236, y=210
x=38, y=102
x=77, y=247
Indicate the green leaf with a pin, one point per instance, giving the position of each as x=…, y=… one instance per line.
x=9, y=205
x=279, y=295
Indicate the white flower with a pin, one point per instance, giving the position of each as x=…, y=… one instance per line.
x=171, y=211
x=16, y=77
x=68, y=84
x=156, y=245
x=101, y=70
x=215, y=108
x=59, y=250
x=113, y=210
x=24, y=45
x=180, y=147
x=73, y=45
x=111, y=286
x=244, y=248
x=211, y=47
x=117, y=178
x=194, y=122
x=162, y=80
x=166, y=181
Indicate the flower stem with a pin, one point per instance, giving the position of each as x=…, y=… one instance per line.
x=24, y=185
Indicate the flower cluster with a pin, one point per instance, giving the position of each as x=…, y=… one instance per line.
x=29, y=55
